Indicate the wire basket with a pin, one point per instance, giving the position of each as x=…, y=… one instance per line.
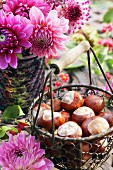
x=22, y=85
x=76, y=153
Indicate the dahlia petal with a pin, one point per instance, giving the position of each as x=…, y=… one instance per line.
x=13, y=62
x=49, y=164
x=35, y=15
x=11, y=5
x=11, y=19
x=2, y=14
x=45, y=8
x=28, y=30
x=18, y=50
x=18, y=19
x=30, y=2
x=7, y=58
x=3, y=63
x=25, y=43
x=22, y=35
x=40, y=163
x=53, y=15
x=40, y=153
x=6, y=7
x=65, y=24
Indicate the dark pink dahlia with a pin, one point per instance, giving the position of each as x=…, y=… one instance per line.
x=22, y=7
x=55, y=3
x=14, y=35
x=23, y=153
x=48, y=33
x=76, y=11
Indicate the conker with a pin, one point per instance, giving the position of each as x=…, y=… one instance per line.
x=82, y=113
x=46, y=119
x=71, y=101
x=66, y=115
x=108, y=116
x=56, y=104
x=70, y=129
x=41, y=111
x=96, y=103
x=94, y=125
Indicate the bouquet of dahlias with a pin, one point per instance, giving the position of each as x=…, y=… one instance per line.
x=38, y=27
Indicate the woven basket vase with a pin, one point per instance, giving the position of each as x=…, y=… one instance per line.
x=22, y=85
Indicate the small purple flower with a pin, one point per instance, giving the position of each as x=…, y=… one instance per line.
x=14, y=35
x=23, y=154
x=76, y=11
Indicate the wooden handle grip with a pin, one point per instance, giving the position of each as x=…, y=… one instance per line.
x=70, y=56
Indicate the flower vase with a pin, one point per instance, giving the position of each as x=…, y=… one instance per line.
x=22, y=85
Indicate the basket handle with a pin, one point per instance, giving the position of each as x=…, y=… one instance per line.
x=70, y=56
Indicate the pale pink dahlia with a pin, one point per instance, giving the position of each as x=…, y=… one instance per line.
x=76, y=11
x=23, y=154
x=14, y=34
x=22, y=7
x=48, y=33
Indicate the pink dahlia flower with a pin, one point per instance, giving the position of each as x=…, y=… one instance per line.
x=23, y=153
x=48, y=33
x=22, y=7
x=76, y=11
x=14, y=34
x=55, y=3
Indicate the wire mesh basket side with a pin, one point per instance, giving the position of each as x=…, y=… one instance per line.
x=77, y=155
x=22, y=85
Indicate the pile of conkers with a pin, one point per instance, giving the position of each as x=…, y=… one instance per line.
x=76, y=116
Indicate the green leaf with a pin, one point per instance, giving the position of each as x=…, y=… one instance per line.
x=110, y=64
x=71, y=45
x=3, y=130
x=108, y=17
x=14, y=129
x=12, y=112
x=21, y=113
x=101, y=57
x=77, y=64
x=19, y=55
